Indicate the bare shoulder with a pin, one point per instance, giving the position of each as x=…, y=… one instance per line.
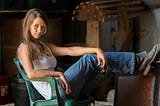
x=23, y=48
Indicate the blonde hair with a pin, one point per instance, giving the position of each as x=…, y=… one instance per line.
x=28, y=19
x=28, y=39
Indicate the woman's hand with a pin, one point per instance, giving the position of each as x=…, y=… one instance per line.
x=102, y=59
x=65, y=83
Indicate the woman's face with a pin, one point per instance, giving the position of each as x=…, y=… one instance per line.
x=37, y=28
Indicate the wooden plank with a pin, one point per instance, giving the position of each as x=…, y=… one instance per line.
x=92, y=38
x=109, y=12
x=134, y=15
x=122, y=4
x=117, y=17
x=105, y=2
x=74, y=18
x=88, y=12
x=130, y=9
x=124, y=31
x=107, y=19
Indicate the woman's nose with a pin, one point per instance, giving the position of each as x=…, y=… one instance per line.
x=39, y=29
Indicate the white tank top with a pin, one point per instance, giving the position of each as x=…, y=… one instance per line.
x=45, y=62
x=48, y=63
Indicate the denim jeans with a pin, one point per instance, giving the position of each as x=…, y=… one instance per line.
x=84, y=75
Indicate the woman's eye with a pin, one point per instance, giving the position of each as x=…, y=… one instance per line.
x=36, y=26
x=39, y=26
x=42, y=27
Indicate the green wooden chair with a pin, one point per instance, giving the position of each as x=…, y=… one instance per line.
x=37, y=100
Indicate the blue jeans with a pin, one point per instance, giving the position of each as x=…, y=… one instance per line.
x=84, y=75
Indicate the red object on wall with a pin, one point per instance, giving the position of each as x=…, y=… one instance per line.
x=4, y=94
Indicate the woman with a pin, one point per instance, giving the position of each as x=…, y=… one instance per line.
x=38, y=60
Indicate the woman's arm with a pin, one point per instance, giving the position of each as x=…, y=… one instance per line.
x=24, y=56
x=78, y=51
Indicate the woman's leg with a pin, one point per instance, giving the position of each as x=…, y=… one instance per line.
x=85, y=70
x=125, y=63
x=82, y=74
x=120, y=63
x=79, y=72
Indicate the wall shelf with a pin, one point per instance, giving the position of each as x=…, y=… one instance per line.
x=24, y=11
x=21, y=13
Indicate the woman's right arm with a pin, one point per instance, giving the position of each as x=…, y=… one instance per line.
x=24, y=56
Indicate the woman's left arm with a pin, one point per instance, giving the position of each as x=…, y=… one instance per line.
x=78, y=51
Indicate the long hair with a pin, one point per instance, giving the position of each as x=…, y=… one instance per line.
x=28, y=19
x=26, y=24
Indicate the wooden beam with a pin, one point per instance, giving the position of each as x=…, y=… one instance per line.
x=92, y=38
x=106, y=2
x=129, y=9
x=107, y=10
x=122, y=4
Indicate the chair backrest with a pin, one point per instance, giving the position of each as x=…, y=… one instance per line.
x=32, y=92
x=20, y=69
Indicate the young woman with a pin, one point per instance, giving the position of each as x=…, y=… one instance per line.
x=38, y=60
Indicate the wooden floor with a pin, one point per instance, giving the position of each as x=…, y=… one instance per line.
x=102, y=103
x=109, y=100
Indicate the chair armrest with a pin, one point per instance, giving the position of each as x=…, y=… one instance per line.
x=46, y=79
x=51, y=81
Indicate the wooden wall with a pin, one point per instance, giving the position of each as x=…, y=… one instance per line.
x=11, y=37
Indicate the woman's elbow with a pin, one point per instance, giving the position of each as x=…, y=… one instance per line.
x=30, y=75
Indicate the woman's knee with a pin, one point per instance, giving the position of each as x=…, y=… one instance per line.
x=90, y=58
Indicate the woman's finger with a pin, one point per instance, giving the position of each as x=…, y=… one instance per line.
x=62, y=83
